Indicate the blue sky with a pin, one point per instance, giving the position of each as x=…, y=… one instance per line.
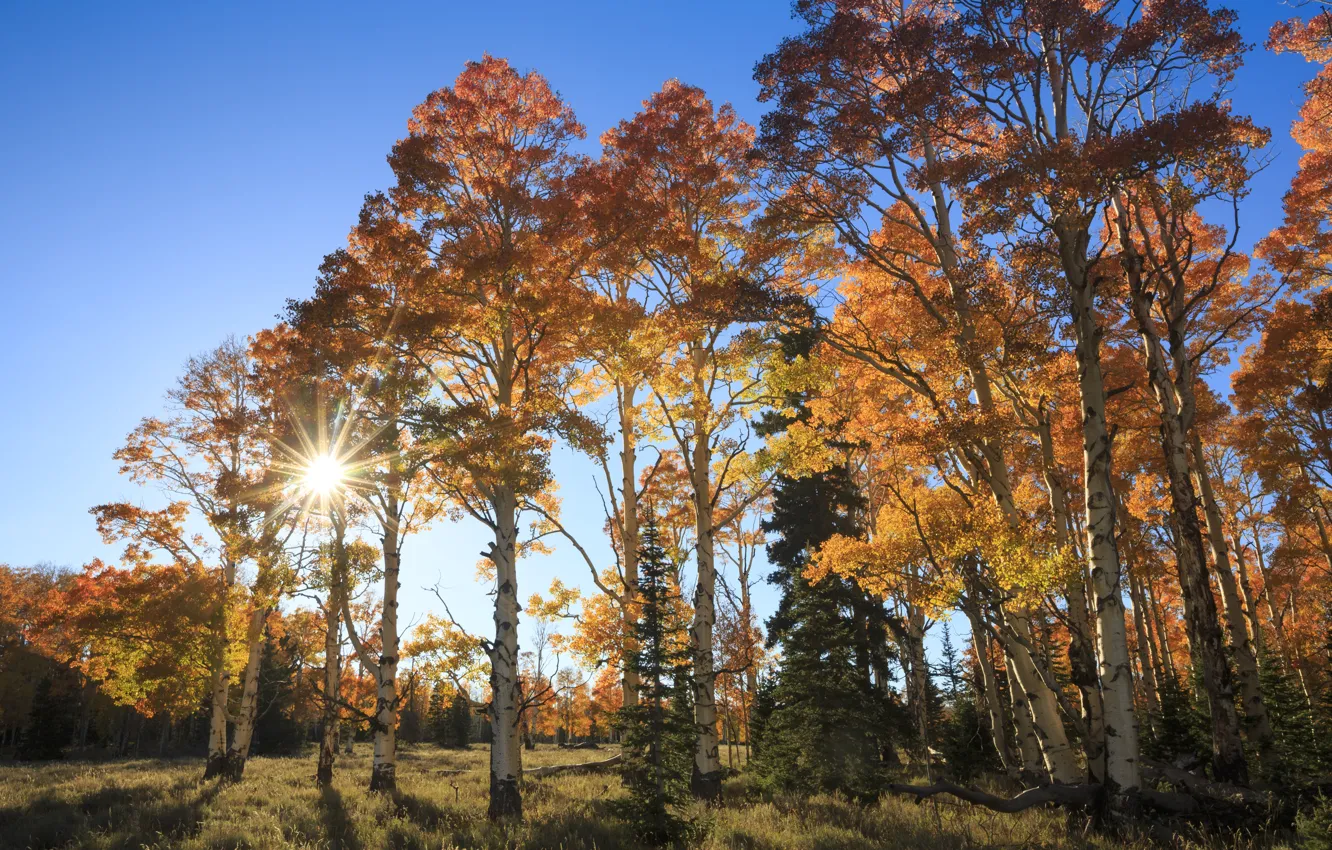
x=172, y=173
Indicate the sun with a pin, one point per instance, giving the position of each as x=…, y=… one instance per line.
x=323, y=475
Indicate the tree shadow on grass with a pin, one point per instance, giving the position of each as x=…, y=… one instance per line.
x=338, y=827
x=587, y=828
x=126, y=813
x=427, y=813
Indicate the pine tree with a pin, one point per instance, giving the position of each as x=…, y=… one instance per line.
x=822, y=733
x=657, y=733
x=459, y=720
x=961, y=735
x=1293, y=722
x=437, y=715
x=51, y=722
x=825, y=723
x=1179, y=732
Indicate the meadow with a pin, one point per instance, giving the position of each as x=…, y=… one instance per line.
x=161, y=803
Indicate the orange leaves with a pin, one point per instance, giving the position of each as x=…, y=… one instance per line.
x=1301, y=249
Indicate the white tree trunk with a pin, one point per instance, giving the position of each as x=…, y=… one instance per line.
x=629, y=535
x=506, y=765
x=1258, y=726
x=706, y=779
x=384, y=767
x=1116, y=672
x=1042, y=704
x=239, y=751
x=990, y=685
x=220, y=684
x=1033, y=767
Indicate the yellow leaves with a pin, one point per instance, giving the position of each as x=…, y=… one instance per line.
x=799, y=451
x=558, y=604
x=439, y=649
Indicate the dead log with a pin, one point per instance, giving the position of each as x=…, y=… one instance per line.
x=1201, y=786
x=581, y=767
x=1063, y=795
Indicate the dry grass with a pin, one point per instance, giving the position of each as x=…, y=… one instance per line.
x=156, y=803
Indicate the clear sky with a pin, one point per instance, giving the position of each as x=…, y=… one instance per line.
x=171, y=173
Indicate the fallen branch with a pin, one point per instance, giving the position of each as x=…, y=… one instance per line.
x=1064, y=795
x=1201, y=786
x=581, y=767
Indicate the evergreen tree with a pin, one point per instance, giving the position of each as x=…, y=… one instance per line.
x=821, y=734
x=827, y=721
x=657, y=733
x=437, y=716
x=1178, y=733
x=460, y=720
x=1298, y=749
x=961, y=735
x=51, y=722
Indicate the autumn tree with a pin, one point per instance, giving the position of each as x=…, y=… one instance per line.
x=213, y=456
x=686, y=165
x=486, y=218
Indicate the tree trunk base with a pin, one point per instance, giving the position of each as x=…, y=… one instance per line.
x=384, y=777
x=234, y=768
x=324, y=773
x=505, y=800
x=215, y=766
x=706, y=786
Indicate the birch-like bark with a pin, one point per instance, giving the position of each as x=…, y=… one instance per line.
x=328, y=742
x=243, y=733
x=1146, y=661
x=990, y=686
x=1257, y=725
x=629, y=533
x=1116, y=674
x=1042, y=704
x=1200, y=614
x=506, y=765
x=220, y=684
x=1081, y=655
x=1033, y=766
x=705, y=781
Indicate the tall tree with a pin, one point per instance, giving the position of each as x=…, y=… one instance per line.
x=486, y=216
x=214, y=456
x=686, y=165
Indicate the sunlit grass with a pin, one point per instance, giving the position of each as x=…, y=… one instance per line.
x=159, y=803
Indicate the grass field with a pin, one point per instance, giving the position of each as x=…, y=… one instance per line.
x=159, y=803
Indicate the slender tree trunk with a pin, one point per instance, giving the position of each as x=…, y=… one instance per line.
x=705, y=782
x=1250, y=602
x=1042, y=704
x=241, y=735
x=1258, y=727
x=629, y=532
x=1033, y=767
x=1120, y=725
x=1081, y=654
x=1200, y=612
x=328, y=744
x=384, y=766
x=1150, y=688
x=917, y=682
x=220, y=685
x=990, y=687
x=506, y=765
x=706, y=779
